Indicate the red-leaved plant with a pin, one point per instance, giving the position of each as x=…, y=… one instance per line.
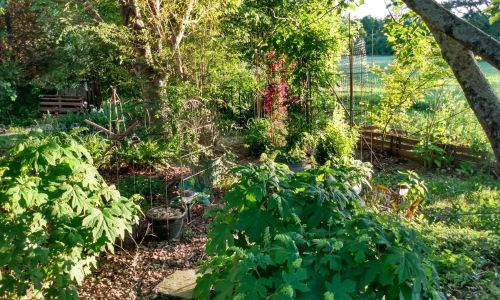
x=276, y=94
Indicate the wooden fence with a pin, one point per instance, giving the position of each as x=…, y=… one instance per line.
x=57, y=104
x=396, y=143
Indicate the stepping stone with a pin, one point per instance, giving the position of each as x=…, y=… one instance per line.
x=180, y=284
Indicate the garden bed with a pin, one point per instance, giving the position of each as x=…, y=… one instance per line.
x=133, y=274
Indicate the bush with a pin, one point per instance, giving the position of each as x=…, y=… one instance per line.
x=95, y=143
x=57, y=215
x=257, y=136
x=142, y=185
x=286, y=235
x=337, y=140
x=148, y=153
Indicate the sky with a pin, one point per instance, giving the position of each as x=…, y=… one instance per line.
x=374, y=8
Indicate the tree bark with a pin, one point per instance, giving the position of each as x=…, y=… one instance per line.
x=471, y=37
x=179, y=36
x=152, y=82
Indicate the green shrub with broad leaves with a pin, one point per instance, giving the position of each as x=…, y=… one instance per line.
x=57, y=214
x=257, y=136
x=337, y=140
x=284, y=235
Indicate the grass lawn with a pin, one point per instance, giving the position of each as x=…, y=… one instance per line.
x=460, y=222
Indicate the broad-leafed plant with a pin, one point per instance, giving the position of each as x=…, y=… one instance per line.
x=57, y=214
x=284, y=235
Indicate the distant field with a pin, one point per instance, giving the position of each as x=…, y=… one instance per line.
x=491, y=73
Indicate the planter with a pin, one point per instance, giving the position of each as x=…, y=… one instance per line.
x=167, y=221
x=298, y=167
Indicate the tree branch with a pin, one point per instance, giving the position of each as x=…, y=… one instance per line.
x=471, y=37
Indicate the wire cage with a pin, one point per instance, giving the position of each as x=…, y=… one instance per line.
x=197, y=153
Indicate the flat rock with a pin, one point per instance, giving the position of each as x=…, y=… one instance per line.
x=180, y=284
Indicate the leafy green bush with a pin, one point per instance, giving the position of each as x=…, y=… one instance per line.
x=300, y=150
x=147, y=153
x=257, y=136
x=351, y=171
x=336, y=140
x=57, y=215
x=95, y=143
x=142, y=185
x=433, y=155
x=284, y=235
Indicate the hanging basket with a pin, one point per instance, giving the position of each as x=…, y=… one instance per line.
x=167, y=221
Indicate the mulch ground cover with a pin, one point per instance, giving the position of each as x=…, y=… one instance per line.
x=134, y=273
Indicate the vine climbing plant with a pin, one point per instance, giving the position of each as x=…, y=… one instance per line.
x=276, y=94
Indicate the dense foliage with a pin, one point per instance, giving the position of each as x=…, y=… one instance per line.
x=302, y=235
x=257, y=136
x=57, y=215
x=337, y=140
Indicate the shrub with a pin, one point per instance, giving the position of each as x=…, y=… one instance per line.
x=299, y=150
x=142, y=185
x=284, y=235
x=257, y=136
x=336, y=140
x=95, y=143
x=57, y=215
x=147, y=153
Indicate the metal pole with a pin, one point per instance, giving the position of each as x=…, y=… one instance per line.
x=351, y=78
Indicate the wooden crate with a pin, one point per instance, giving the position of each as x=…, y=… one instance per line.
x=59, y=105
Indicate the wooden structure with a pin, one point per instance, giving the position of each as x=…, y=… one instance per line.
x=58, y=105
x=396, y=143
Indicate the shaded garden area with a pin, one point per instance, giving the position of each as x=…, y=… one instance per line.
x=260, y=144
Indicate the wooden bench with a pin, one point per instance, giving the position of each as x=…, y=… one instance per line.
x=56, y=104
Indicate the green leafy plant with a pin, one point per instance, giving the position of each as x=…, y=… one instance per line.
x=257, y=136
x=336, y=140
x=352, y=171
x=148, y=153
x=300, y=150
x=433, y=155
x=57, y=215
x=95, y=143
x=142, y=185
x=284, y=235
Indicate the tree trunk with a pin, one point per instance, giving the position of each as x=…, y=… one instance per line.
x=458, y=41
x=479, y=93
x=179, y=36
x=152, y=82
x=471, y=37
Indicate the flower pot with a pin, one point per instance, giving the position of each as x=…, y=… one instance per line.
x=167, y=221
x=298, y=167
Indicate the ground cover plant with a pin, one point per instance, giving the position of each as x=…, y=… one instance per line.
x=459, y=221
